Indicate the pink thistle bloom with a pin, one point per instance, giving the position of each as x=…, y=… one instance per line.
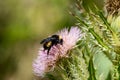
x=46, y=62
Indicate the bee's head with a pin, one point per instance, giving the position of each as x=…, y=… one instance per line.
x=58, y=38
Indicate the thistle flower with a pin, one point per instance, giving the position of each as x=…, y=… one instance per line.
x=113, y=6
x=46, y=62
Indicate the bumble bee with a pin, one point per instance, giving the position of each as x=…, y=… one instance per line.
x=51, y=41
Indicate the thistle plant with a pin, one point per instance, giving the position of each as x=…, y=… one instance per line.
x=46, y=62
x=91, y=51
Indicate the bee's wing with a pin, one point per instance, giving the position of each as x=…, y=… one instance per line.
x=46, y=40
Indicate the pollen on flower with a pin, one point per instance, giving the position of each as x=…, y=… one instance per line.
x=46, y=62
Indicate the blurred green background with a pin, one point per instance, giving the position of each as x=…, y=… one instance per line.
x=23, y=23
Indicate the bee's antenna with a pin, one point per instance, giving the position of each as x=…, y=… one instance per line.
x=42, y=41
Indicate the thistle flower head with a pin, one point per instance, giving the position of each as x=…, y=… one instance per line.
x=113, y=6
x=46, y=62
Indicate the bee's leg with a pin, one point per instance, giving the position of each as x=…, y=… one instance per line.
x=44, y=50
x=48, y=50
x=61, y=41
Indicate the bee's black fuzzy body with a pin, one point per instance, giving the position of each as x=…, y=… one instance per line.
x=51, y=41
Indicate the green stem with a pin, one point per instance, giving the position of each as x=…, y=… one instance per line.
x=91, y=69
x=105, y=21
